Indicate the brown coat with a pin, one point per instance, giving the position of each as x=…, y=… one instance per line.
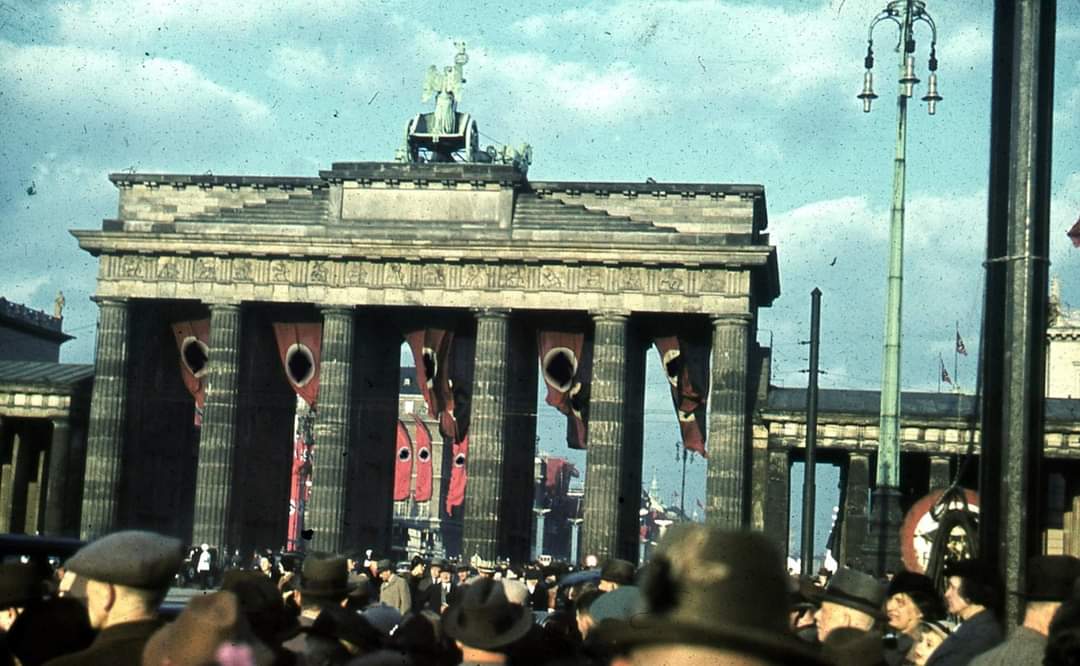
x=119, y=645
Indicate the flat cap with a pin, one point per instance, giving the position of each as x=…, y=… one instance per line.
x=133, y=558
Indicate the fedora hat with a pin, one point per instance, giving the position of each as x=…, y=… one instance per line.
x=325, y=577
x=1051, y=577
x=261, y=604
x=856, y=590
x=922, y=591
x=710, y=587
x=484, y=618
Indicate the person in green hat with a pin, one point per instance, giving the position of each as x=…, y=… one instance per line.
x=709, y=597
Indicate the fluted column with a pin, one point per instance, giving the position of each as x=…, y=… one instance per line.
x=55, y=495
x=856, y=501
x=327, y=509
x=486, y=436
x=105, y=435
x=727, y=484
x=605, y=455
x=778, y=498
x=217, y=437
x=940, y=472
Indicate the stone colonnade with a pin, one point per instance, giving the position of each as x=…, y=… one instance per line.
x=347, y=490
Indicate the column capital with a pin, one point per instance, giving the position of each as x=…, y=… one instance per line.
x=730, y=318
x=223, y=305
x=609, y=315
x=491, y=313
x=61, y=421
x=337, y=310
x=114, y=301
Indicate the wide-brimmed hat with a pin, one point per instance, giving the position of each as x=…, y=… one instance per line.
x=617, y=571
x=856, y=590
x=1051, y=577
x=484, y=618
x=206, y=624
x=262, y=606
x=711, y=587
x=922, y=591
x=325, y=577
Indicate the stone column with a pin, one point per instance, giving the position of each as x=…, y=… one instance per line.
x=326, y=511
x=217, y=438
x=727, y=481
x=10, y=513
x=778, y=498
x=55, y=494
x=940, y=472
x=856, y=505
x=605, y=453
x=105, y=435
x=486, y=438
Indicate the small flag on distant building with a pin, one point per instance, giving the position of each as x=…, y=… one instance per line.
x=1074, y=233
x=960, y=348
x=944, y=373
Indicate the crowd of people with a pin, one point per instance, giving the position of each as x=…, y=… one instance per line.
x=706, y=597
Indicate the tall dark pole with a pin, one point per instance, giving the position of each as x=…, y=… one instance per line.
x=682, y=491
x=1013, y=348
x=809, y=482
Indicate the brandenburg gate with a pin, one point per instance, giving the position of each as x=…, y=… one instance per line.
x=371, y=251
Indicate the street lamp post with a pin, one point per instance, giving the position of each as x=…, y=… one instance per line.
x=882, y=547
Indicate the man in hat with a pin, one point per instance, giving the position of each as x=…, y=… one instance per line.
x=324, y=583
x=851, y=599
x=614, y=573
x=127, y=576
x=969, y=594
x=1049, y=582
x=429, y=594
x=709, y=597
x=484, y=622
x=394, y=591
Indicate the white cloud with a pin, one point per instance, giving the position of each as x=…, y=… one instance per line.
x=89, y=81
x=297, y=66
x=23, y=289
x=111, y=21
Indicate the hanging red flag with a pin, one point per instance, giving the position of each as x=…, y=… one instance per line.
x=686, y=395
x=193, y=343
x=431, y=349
x=944, y=373
x=297, y=488
x=459, y=476
x=422, y=492
x=566, y=371
x=299, y=346
x=1074, y=233
x=557, y=475
x=402, y=463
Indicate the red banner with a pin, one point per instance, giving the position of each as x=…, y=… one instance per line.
x=298, y=489
x=299, y=346
x=402, y=463
x=431, y=354
x=680, y=367
x=193, y=343
x=459, y=476
x=558, y=472
x=422, y=492
x=566, y=372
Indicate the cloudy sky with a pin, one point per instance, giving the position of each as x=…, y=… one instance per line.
x=731, y=91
